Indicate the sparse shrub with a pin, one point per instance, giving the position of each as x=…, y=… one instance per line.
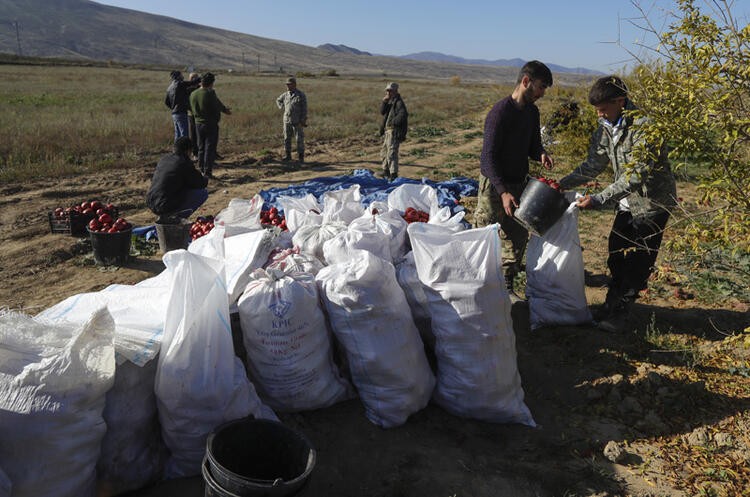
x=331, y=73
x=455, y=80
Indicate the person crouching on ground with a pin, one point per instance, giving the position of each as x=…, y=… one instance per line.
x=393, y=129
x=177, y=188
x=642, y=194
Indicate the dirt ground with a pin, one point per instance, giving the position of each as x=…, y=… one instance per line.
x=616, y=415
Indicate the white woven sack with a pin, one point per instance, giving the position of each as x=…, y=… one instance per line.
x=342, y=206
x=310, y=238
x=244, y=253
x=200, y=382
x=53, y=382
x=470, y=309
x=299, y=211
x=555, y=284
x=425, y=199
x=240, y=215
x=138, y=311
x=292, y=261
x=371, y=320
x=387, y=222
x=288, y=345
x=414, y=290
x=345, y=245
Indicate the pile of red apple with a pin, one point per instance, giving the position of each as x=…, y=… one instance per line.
x=201, y=226
x=272, y=217
x=105, y=223
x=412, y=215
x=89, y=208
x=551, y=182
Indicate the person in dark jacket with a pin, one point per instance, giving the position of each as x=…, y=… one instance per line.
x=177, y=188
x=176, y=99
x=393, y=129
x=511, y=137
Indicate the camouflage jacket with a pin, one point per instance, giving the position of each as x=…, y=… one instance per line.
x=294, y=105
x=642, y=188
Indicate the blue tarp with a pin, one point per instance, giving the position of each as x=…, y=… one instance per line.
x=372, y=189
x=449, y=192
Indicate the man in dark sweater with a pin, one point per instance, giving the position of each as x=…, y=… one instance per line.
x=511, y=138
x=177, y=188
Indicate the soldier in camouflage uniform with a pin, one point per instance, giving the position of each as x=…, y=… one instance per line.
x=511, y=138
x=294, y=104
x=642, y=194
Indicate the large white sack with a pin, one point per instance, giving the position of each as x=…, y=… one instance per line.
x=389, y=223
x=288, y=344
x=138, y=312
x=240, y=215
x=242, y=254
x=53, y=382
x=133, y=453
x=475, y=345
x=345, y=245
x=371, y=320
x=342, y=206
x=424, y=198
x=310, y=238
x=300, y=211
x=200, y=382
x=210, y=245
x=293, y=261
x=555, y=277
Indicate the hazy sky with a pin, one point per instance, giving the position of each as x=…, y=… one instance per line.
x=574, y=33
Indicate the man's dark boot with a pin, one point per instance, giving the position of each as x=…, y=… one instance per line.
x=301, y=158
x=619, y=318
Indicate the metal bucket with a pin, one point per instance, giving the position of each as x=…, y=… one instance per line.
x=173, y=236
x=540, y=207
x=258, y=458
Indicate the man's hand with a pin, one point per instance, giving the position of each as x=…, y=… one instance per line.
x=509, y=203
x=547, y=161
x=585, y=202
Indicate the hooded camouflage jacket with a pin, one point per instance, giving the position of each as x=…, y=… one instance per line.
x=643, y=188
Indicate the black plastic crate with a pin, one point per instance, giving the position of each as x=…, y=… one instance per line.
x=73, y=223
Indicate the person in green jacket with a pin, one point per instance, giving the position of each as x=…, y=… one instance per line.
x=207, y=110
x=643, y=193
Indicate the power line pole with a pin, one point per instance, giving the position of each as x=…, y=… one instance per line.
x=18, y=37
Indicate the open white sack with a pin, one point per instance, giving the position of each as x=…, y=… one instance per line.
x=475, y=345
x=200, y=382
x=288, y=344
x=555, y=284
x=240, y=215
x=300, y=211
x=244, y=253
x=53, y=382
x=424, y=198
x=372, y=322
x=310, y=238
x=137, y=310
x=293, y=261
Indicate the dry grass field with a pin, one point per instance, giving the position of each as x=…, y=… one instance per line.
x=673, y=396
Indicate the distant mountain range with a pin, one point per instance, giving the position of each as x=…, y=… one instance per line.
x=439, y=57
x=453, y=59
x=88, y=31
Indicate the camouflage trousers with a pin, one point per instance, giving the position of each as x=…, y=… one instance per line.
x=389, y=153
x=297, y=131
x=514, y=236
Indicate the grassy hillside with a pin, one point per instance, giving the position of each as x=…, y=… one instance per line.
x=86, y=30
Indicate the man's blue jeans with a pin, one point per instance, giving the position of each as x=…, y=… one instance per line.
x=181, y=128
x=191, y=200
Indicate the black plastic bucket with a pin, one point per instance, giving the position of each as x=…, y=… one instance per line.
x=173, y=236
x=540, y=207
x=111, y=249
x=258, y=458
